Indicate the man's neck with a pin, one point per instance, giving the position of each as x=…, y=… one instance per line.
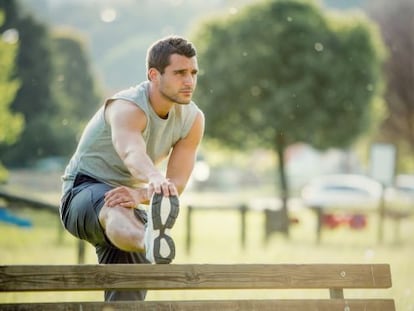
x=159, y=103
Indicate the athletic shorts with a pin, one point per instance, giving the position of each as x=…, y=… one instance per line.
x=79, y=213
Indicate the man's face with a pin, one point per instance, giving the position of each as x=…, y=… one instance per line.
x=179, y=79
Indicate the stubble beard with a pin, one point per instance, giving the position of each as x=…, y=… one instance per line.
x=175, y=98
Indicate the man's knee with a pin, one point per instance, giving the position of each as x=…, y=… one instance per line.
x=122, y=228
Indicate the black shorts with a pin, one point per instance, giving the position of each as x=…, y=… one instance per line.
x=79, y=213
x=80, y=208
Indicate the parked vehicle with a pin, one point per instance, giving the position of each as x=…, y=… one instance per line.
x=344, y=191
x=343, y=198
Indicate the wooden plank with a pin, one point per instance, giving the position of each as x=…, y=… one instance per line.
x=222, y=305
x=193, y=276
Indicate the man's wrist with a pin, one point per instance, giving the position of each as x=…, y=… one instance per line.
x=154, y=175
x=143, y=195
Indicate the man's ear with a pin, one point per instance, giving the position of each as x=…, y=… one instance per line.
x=153, y=74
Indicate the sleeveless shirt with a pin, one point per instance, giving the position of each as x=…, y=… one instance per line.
x=96, y=156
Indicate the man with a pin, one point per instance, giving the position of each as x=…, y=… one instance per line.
x=113, y=170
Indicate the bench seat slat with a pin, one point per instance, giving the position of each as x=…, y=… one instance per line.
x=222, y=305
x=194, y=276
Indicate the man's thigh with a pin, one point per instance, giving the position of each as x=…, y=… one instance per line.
x=80, y=214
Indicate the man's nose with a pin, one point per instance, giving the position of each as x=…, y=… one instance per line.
x=189, y=79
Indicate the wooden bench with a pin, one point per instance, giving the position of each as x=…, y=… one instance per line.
x=332, y=277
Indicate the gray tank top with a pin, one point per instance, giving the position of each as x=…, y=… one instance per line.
x=95, y=155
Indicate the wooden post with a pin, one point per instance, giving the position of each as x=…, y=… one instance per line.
x=188, y=234
x=319, y=224
x=243, y=211
x=381, y=216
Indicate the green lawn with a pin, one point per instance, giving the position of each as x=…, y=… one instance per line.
x=216, y=240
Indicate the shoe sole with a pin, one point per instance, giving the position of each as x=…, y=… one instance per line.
x=164, y=212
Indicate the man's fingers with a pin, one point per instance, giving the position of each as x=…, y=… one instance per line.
x=128, y=204
x=168, y=188
x=173, y=190
x=153, y=188
x=165, y=187
x=119, y=196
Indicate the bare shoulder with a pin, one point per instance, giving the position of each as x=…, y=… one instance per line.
x=197, y=129
x=199, y=117
x=122, y=109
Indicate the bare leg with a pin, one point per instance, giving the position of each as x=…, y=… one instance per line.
x=122, y=228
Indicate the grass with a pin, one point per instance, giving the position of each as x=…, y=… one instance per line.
x=215, y=239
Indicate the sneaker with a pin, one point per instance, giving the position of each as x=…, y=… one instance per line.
x=159, y=246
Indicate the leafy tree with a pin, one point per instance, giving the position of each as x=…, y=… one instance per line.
x=74, y=88
x=57, y=92
x=118, y=46
x=396, y=22
x=33, y=98
x=11, y=124
x=280, y=72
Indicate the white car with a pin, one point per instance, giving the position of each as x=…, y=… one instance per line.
x=342, y=191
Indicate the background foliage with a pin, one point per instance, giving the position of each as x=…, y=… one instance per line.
x=11, y=123
x=396, y=23
x=273, y=69
x=56, y=91
x=33, y=98
x=75, y=91
x=114, y=36
x=282, y=72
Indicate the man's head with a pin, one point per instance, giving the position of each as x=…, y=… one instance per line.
x=158, y=55
x=172, y=69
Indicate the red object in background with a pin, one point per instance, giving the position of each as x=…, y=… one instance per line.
x=333, y=221
x=358, y=222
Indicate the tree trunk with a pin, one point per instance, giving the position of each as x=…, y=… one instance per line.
x=284, y=189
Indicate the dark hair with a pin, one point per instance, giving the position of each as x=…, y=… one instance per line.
x=158, y=55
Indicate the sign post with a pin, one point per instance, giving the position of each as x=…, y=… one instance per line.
x=383, y=163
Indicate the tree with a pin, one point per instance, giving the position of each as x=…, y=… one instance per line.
x=57, y=93
x=33, y=98
x=119, y=31
x=280, y=72
x=74, y=88
x=11, y=124
x=396, y=22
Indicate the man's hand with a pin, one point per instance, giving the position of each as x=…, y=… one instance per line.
x=159, y=184
x=126, y=197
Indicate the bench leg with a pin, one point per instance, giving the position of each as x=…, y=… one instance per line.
x=336, y=293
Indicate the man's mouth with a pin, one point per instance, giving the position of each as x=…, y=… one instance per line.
x=187, y=92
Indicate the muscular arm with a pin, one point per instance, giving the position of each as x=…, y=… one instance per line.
x=183, y=155
x=127, y=122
